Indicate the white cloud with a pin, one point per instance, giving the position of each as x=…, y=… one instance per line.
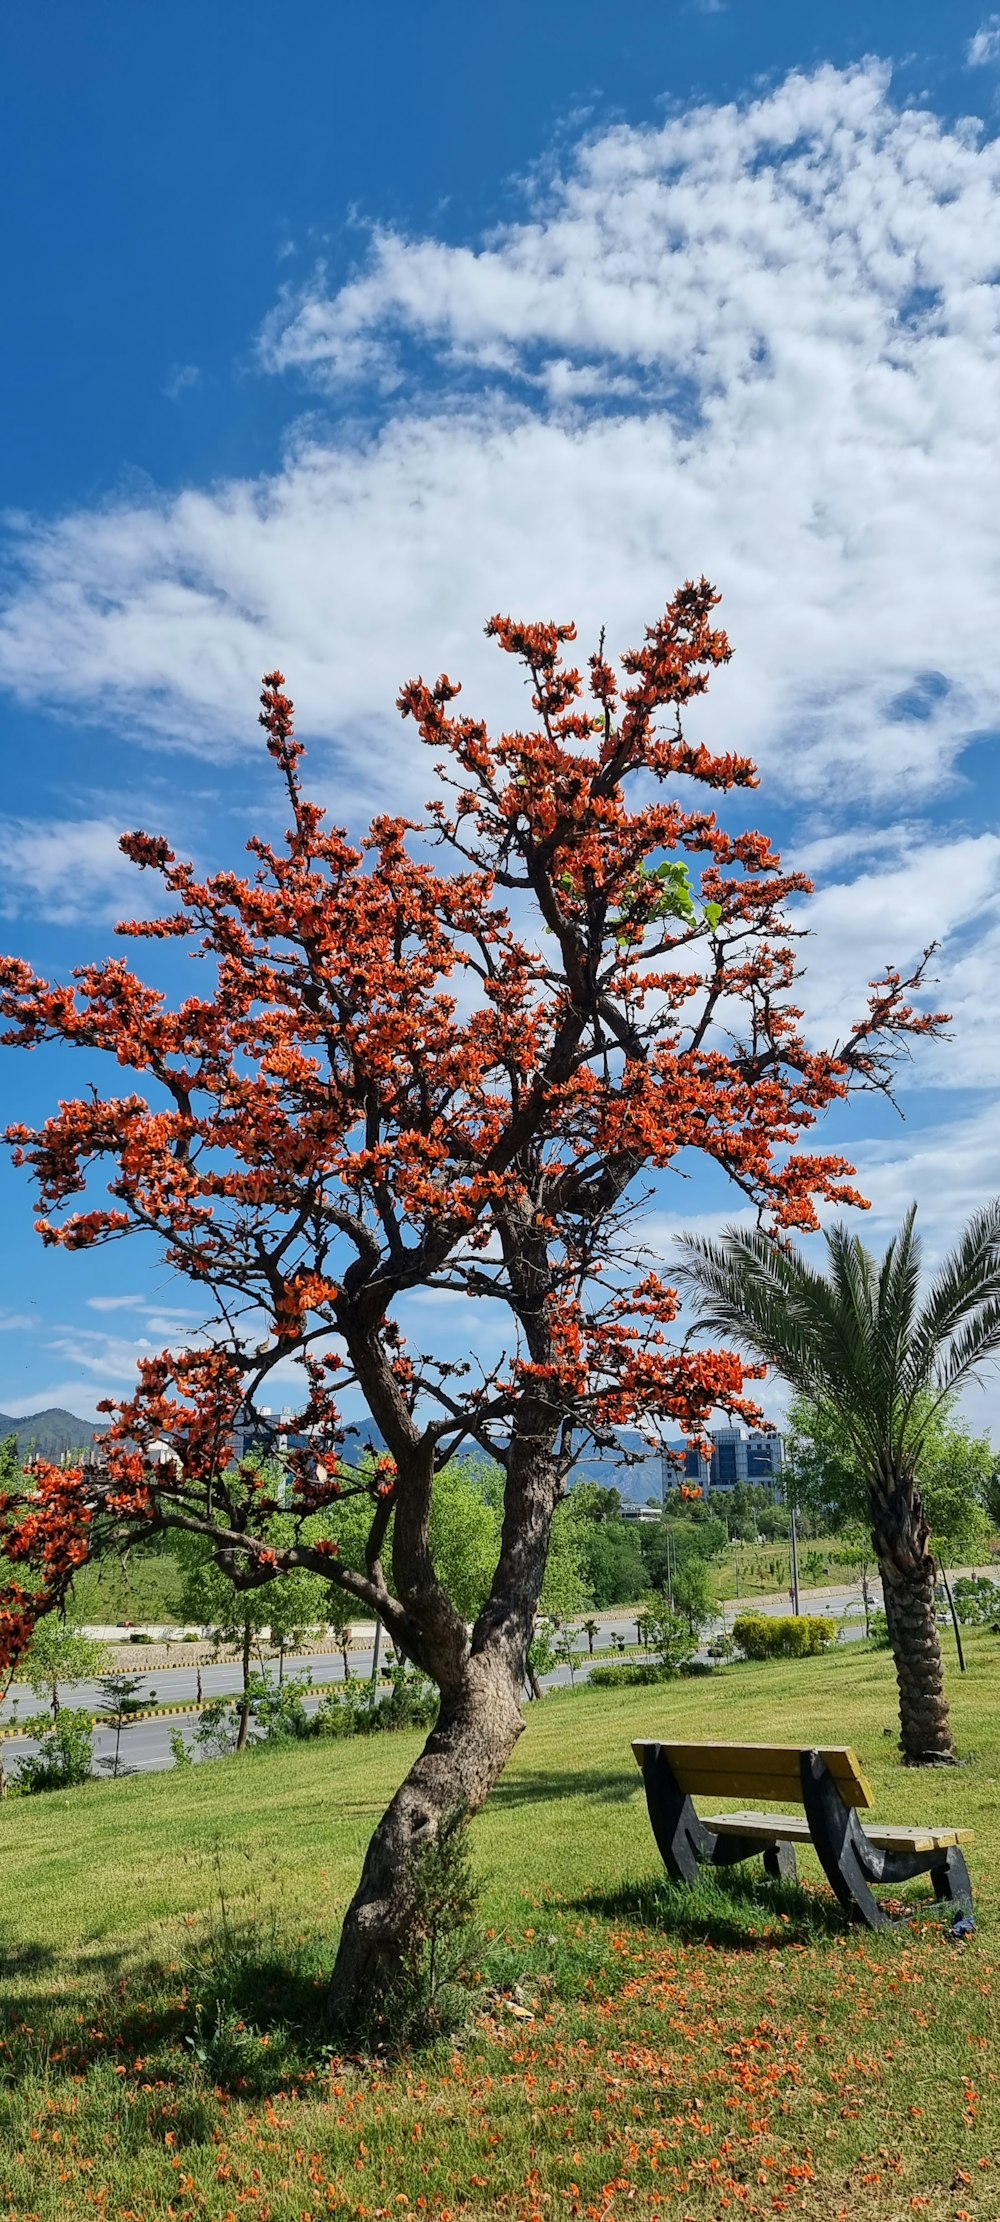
x=65, y=869
x=929, y=891
x=949, y=1169
x=180, y=380
x=984, y=45
x=761, y=341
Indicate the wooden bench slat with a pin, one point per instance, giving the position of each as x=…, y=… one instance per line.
x=793, y=1828
x=756, y=1770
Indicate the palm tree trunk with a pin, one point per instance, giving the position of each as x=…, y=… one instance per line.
x=924, y=1726
x=901, y=1538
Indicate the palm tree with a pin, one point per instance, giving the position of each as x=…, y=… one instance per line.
x=858, y=1338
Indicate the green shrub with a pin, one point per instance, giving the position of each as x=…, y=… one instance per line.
x=977, y=1600
x=431, y=1997
x=64, y=1757
x=878, y=1630
x=670, y=1639
x=632, y=1676
x=791, y=1637
x=180, y=1748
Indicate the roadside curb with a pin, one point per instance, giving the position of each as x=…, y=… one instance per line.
x=158, y=1713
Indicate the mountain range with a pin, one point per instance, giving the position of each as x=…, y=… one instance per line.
x=55, y=1432
x=50, y=1433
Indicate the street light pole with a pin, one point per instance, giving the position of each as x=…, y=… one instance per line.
x=795, y=1563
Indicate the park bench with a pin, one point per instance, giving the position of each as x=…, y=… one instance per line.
x=828, y=1785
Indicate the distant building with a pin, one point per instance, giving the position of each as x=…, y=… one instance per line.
x=737, y=1455
x=640, y=1511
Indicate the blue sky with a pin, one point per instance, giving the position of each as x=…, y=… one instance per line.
x=333, y=329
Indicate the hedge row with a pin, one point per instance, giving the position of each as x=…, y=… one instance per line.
x=794, y=1636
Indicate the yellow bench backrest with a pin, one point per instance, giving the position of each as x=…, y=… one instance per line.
x=768, y=1771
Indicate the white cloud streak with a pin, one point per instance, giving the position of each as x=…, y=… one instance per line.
x=761, y=341
x=64, y=869
x=984, y=45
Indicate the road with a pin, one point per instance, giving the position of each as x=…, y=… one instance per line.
x=145, y=1745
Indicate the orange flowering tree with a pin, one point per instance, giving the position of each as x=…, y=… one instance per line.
x=440, y=1060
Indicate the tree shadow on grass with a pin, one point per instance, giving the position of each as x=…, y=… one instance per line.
x=20, y=1957
x=243, y=2012
x=608, y=1786
x=735, y=1911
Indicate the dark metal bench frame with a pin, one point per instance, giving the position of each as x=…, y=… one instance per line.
x=849, y=1861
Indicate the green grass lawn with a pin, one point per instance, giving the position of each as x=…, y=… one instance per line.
x=108, y=1595
x=759, y=1569
x=635, y=2051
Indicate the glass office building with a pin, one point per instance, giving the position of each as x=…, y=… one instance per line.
x=738, y=1454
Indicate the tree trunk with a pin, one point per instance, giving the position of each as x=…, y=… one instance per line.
x=244, y=1728
x=924, y=1726
x=468, y=1747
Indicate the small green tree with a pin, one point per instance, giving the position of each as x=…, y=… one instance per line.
x=668, y=1638
x=121, y=1698
x=287, y=1608
x=566, y=1652
x=60, y=1654
x=694, y=1597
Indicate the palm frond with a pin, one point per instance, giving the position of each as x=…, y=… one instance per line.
x=769, y=1301
x=896, y=1310
x=956, y=1328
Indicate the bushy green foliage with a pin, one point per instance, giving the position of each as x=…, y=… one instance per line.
x=694, y=1596
x=669, y=1642
x=669, y=1639
x=955, y=1476
x=430, y=1997
x=684, y=1532
x=289, y=1606
x=612, y=1553
x=542, y=1650
x=64, y=1758
x=59, y=1654
x=276, y=1711
x=749, y=1505
x=790, y=1636
x=977, y=1600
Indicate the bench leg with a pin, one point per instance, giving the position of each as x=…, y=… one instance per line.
x=779, y=1861
x=951, y=1878
x=851, y=1864
x=684, y=1844
x=840, y=1844
x=683, y=1841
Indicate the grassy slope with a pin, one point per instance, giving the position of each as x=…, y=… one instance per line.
x=733, y=2051
x=149, y=1588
